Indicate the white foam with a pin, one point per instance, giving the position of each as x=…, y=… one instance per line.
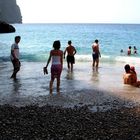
x=128, y=59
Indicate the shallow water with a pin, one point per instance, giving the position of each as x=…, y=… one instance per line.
x=102, y=89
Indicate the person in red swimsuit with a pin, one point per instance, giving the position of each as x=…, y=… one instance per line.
x=56, y=55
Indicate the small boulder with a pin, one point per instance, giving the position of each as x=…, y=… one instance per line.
x=6, y=28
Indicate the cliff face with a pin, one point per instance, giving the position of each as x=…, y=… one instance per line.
x=10, y=11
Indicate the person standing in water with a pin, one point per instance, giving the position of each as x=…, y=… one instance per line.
x=129, y=51
x=15, y=56
x=135, y=50
x=56, y=55
x=71, y=51
x=95, y=54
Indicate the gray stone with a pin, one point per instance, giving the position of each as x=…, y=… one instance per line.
x=6, y=28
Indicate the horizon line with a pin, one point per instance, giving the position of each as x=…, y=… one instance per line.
x=74, y=23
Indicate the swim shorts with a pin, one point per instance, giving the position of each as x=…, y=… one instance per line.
x=70, y=59
x=95, y=56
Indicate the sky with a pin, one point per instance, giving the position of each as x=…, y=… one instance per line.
x=80, y=11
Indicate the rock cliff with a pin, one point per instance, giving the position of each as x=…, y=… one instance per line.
x=10, y=11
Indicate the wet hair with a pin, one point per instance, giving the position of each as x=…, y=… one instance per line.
x=96, y=41
x=121, y=51
x=127, y=68
x=129, y=47
x=17, y=37
x=56, y=45
x=69, y=42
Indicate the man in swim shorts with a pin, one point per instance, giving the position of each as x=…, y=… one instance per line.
x=95, y=54
x=71, y=51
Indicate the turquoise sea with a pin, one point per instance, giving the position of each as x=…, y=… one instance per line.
x=36, y=42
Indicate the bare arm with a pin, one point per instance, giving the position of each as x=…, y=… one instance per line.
x=49, y=59
x=65, y=52
x=13, y=54
x=61, y=59
x=99, y=54
x=75, y=51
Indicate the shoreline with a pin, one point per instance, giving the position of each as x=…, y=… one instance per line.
x=82, y=87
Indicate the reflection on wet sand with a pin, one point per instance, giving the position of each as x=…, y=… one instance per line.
x=16, y=86
x=70, y=75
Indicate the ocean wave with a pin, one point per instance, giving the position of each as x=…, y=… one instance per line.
x=110, y=59
x=79, y=58
x=128, y=59
x=5, y=59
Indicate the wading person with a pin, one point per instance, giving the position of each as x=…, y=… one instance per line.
x=71, y=51
x=95, y=54
x=56, y=56
x=15, y=56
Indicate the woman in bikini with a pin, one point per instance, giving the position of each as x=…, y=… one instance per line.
x=56, y=55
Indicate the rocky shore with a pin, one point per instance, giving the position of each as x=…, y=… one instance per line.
x=78, y=123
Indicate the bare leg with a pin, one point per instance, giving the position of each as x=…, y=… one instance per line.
x=71, y=67
x=51, y=85
x=15, y=73
x=93, y=64
x=68, y=65
x=97, y=64
x=16, y=65
x=58, y=85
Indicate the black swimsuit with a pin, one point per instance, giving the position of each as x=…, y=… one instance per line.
x=95, y=55
x=70, y=59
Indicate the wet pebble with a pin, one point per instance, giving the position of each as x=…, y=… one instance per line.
x=78, y=123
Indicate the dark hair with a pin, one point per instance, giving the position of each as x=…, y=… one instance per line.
x=69, y=42
x=96, y=41
x=56, y=45
x=17, y=37
x=127, y=68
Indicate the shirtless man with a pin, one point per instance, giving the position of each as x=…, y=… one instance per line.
x=71, y=51
x=129, y=77
x=96, y=53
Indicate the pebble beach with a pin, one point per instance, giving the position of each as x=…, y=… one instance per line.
x=78, y=123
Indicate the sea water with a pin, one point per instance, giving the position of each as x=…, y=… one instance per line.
x=83, y=84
